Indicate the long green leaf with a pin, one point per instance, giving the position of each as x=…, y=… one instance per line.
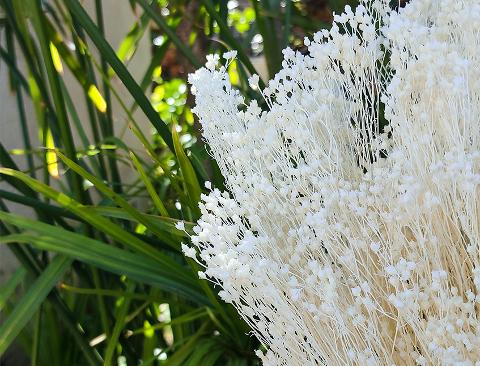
x=203, y=349
x=190, y=178
x=186, y=350
x=172, y=278
x=185, y=318
x=37, y=204
x=166, y=224
x=101, y=223
x=111, y=293
x=7, y=289
x=8, y=59
x=119, y=324
x=77, y=70
x=148, y=184
x=128, y=46
x=98, y=121
x=26, y=307
x=7, y=161
x=36, y=337
x=153, y=155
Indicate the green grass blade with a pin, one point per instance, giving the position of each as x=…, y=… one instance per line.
x=165, y=224
x=17, y=14
x=148, y=184
x=36, y=338
x=106, y=88
x=190, y=178
x=74, y=115
x=153, y=155
x=8, y=288
x=119, y=325
x=211, y=358
x=204, y=348
x=81, y=70
x=30, y=302
x=76, y=68
x=7, y=161
x=10, y=62
x=168, y=265
x=96, y=118
x=128, y=46
x=185, y=318
x=35, y=203
x=111, y=293
x=104, y=320
x=179, y=357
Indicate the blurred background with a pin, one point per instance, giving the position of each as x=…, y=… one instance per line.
x=100, y=157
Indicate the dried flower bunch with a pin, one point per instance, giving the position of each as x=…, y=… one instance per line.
x=350, y=234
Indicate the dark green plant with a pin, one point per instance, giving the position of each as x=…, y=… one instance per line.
x=102, y=281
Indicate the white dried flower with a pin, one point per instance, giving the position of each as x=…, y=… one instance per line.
x=212, y=61
x=189, y=251
x=230, y=55
x=253, y=81
x=349, y=237
x=180, y=225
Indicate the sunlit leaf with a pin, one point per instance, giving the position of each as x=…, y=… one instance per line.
x=97, y=98
x=51, y=156
x=57, y=61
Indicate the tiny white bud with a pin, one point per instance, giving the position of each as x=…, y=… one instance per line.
x=230, y=55
x=375, y=246
x=180, y=225
x=253, y=81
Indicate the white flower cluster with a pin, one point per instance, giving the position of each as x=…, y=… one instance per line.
x=350, y=234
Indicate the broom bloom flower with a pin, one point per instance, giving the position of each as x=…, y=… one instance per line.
x=351, y=228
